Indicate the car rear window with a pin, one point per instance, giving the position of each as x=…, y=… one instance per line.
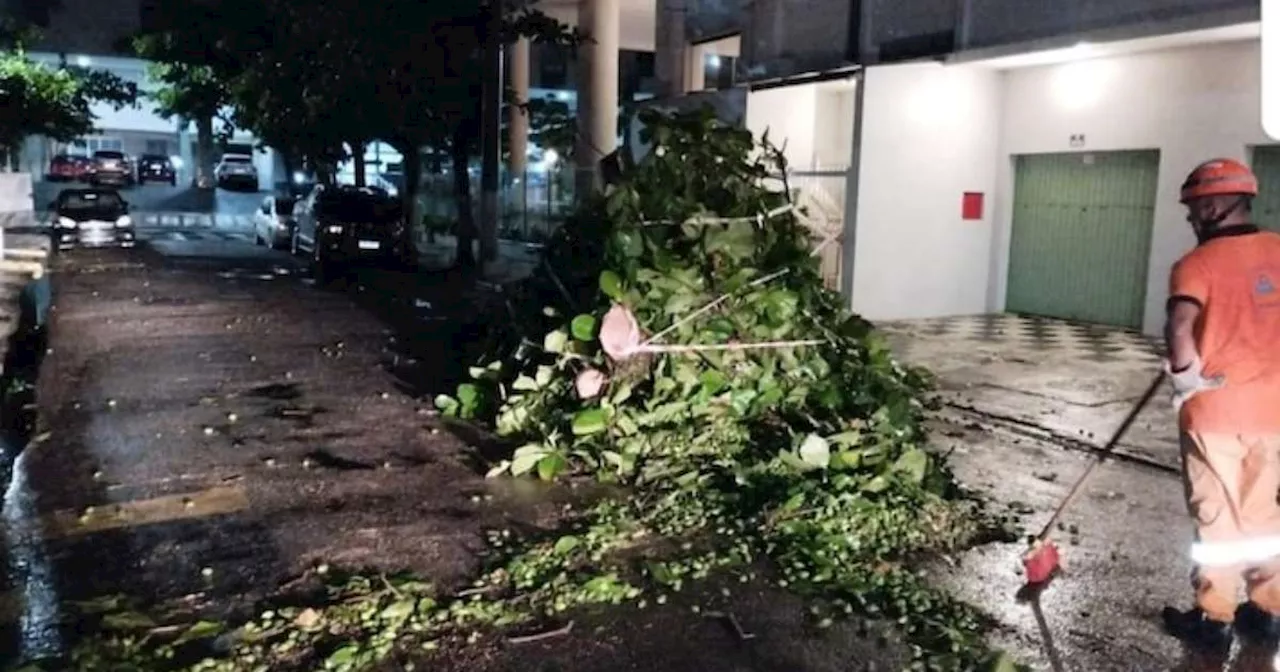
x=236, y=159
x=284, y=206
x=356, y=206
x=108, y=155
x=155, y=157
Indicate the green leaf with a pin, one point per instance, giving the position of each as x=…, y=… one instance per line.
x=815, y=451
x=583, y=327
x=660, y=572
x=611, y=285
x=446, y=404
x=589, y=421
x=127, y=620
x=913, y=464
x=343, y=657
x=551, y=466
x=544, y=375
x=200, y=630
x=524, y=383
x=468, y=399
x=399, y=610
x=876, y=485
x=566, y=544
x=526, y=458
x=555, y=341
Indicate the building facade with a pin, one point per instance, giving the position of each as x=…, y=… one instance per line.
x=1028, y=156
x=94, y=33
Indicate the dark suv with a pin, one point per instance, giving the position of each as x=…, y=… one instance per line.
x=342, y=225
x=111, y=168
x=156, y=168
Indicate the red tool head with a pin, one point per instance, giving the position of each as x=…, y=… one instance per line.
x=1041, y=563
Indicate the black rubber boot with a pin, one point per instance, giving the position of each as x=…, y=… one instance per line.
x=1257, y=626
x=1198, y=632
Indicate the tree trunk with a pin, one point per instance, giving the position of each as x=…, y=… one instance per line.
x=204, y=152
x=466, y=228
x=290, y=168
x=357, y=162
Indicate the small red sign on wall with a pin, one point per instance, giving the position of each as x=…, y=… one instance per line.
x=971, y=206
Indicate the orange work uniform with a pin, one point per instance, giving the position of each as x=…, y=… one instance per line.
x=1231, y=435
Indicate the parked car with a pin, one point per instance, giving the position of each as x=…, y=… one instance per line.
x=91, y=217
x=273, y=222
x=156, y=168
x=111, y=168
x=338, y=226
x=236, y=170
x=68, y=168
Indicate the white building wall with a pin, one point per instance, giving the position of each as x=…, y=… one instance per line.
x=1192, y=104
x=930, y=133
x=143, y=117
x=789, y=115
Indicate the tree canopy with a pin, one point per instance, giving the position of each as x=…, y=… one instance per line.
x=314, y=79
x=55, y=101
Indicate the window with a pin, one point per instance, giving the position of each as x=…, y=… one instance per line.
x=718, y=71
x=160, y=147
x=96, y=144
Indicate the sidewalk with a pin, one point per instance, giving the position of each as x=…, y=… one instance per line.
x=1023, y=400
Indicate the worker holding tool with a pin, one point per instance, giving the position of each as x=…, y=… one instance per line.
x=1223, y=335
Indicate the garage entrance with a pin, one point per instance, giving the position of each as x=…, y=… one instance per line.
x=1082, y=235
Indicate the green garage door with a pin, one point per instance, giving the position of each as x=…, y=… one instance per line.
x=1082, y=235
x=1266, y=208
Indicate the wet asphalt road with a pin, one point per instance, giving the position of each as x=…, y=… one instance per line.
x=251, y=425
x=164, y=198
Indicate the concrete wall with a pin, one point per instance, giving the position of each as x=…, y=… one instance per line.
x=1192, y=104
x=788, y=115
x=930, y=133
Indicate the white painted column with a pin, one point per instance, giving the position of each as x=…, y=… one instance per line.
x=598, y=91
x=518, y=119
x=695, y=64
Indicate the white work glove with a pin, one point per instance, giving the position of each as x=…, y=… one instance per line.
x=1190, y=381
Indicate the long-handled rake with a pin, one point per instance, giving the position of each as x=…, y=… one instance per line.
x=1042, y=561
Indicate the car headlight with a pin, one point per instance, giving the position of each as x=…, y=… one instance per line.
x=66, y=222
x=334, y=228
x=124, y=221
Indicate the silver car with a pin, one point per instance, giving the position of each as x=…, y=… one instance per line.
x=91, y=218
x=273, y=222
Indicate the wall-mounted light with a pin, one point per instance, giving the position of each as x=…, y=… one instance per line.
x=84, y=61
x=713, y=60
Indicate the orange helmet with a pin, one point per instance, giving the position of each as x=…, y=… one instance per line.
x=1220, y=177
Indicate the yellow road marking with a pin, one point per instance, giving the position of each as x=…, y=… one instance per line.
x=202, y=504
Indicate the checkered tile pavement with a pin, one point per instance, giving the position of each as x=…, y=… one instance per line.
x=1033, y=336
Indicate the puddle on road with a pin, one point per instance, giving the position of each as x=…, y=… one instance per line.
x=277, y=391
x=31, y=569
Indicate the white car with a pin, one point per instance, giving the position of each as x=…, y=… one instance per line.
x=236, y=170
x=273, y=222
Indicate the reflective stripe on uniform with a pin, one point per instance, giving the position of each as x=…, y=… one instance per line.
x=1240, y=552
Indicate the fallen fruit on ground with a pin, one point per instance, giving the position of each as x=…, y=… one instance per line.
x=680, y=344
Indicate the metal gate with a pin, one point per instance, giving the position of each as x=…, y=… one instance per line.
x=1081, y=238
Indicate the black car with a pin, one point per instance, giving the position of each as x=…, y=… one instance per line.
x=345, y=225
x=156, y=168
x=91, y=217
